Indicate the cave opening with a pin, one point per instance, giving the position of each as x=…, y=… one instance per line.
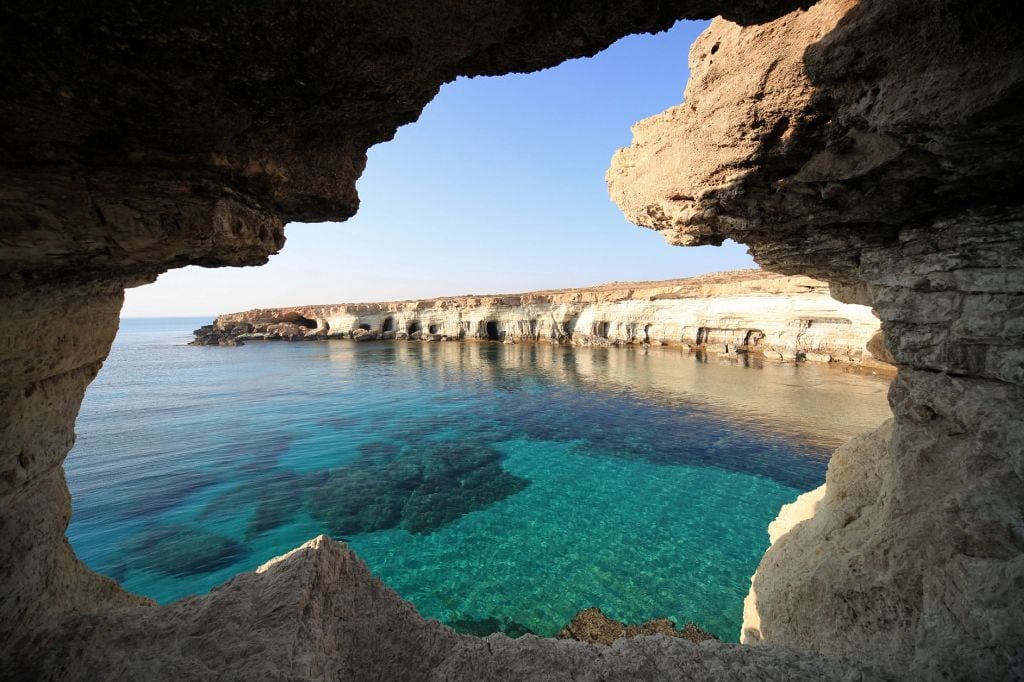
x=753, y=337
x=569, y=327
x=601, y=329
x=389, y=324
x=492, y=331
x=433, y=329
x=298, y=319
x=702, y=335
x=365, y=327
x=413, y=327
x=647, y=333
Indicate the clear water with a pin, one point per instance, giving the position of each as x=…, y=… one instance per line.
x=490, y=485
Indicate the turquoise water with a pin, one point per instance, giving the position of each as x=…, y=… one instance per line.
x=490, y=485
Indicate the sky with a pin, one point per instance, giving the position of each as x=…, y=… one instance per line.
x=498, y=188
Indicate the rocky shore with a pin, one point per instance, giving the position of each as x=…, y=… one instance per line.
x=746, y=311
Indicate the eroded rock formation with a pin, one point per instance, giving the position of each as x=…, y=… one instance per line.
x=878, y=145
x=318, y=613
x=747, y=311
x=591, y=625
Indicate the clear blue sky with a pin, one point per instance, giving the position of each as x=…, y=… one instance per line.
x=499, y=187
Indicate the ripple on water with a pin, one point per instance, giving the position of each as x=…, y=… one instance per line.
x=497, y=488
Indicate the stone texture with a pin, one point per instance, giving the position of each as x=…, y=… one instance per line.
x=877, y=145
x=874, y=145
x=318, y=613
x=592, y=626
x=746, y=311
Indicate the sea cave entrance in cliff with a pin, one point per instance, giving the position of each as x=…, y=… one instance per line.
x=413, y=327
x=389, y=325
x=297, y=319
x=601, y=329
x=492, y=331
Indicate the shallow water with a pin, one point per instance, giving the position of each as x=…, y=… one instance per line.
x=487, y=484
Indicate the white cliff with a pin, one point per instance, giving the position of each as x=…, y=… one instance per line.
x=781, y=317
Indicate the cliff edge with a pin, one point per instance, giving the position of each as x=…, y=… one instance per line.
x=745, y=311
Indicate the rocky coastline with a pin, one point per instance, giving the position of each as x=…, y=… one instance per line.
x=779, y=317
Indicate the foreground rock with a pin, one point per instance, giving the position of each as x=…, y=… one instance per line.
x=317, y=613
x=592, y=626
x=878, y=146
x=747, y=311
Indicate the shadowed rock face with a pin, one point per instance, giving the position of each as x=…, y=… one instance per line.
x=139, y=136
x=878, y=146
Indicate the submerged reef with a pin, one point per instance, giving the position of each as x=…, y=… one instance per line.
x=418, y=488
x=182, y=550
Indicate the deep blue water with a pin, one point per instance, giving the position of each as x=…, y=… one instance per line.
x=481, y=481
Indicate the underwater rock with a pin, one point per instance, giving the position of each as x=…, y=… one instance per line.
x=276, y=500
x=592, y=626
x=488, y=626
x=419, y=488
x=181, y=550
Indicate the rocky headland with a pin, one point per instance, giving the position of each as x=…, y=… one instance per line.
x=748, y=311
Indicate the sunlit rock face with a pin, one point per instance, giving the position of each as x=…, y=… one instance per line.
x=141, y=136
x=774, y=316
x=878, y=146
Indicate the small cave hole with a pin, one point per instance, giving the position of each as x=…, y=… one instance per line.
x=714, y=48
x=702, y=335
x=413, y=327
x=601, y=329
x=364, y=327
x=492, y=331
x=297, y=319
x=389, y=324
x=433, y=328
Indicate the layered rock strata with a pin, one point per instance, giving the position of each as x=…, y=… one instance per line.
x=878, y=146
x=751, y=311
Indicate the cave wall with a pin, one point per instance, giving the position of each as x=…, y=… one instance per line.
x=878, y=145
x=874, y=145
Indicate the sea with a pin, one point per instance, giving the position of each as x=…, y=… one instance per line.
x=496, y=487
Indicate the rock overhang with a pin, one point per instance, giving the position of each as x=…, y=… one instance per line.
x=879, y=148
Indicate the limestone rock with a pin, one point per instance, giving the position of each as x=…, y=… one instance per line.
x=877, y=145
x=592, y=626
x=318, y=613
x=742, y=311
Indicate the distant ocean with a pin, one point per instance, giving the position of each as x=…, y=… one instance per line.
x=496, y=487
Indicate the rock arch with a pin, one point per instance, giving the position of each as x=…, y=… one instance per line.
x=880, y=150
